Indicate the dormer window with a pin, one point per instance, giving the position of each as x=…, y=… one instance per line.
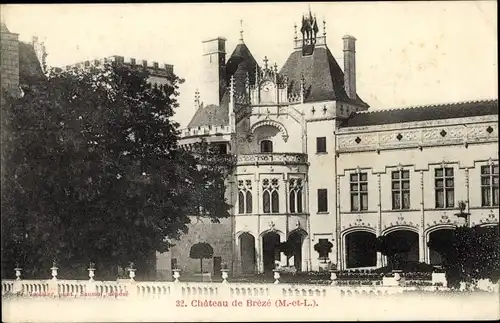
x=266, y=146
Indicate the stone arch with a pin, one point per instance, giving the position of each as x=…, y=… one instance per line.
x=357, y=228
x=247, y=252
x=271, y=123
x=298, y=239
x=408, y=234
x=432, y=257
x=399, y=228
x=359, y=247
x=270, y=240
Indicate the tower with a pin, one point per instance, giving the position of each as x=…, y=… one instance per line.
x=9, y=60
x=214, y=55
x=350, y=66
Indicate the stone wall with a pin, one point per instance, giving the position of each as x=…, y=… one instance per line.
x=218, y=235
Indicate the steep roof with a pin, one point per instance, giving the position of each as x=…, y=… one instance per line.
x=323, y=77
x=238, y=65
x=431, y=112
x=3, y=27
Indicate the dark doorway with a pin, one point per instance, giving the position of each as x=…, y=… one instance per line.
x=296, y=239
x=440, y=235
x=270, y=243
x=247, y=251
x=217, y=266
x=361, y=249
x=407, y=241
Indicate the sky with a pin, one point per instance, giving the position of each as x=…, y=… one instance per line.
x=407, y=53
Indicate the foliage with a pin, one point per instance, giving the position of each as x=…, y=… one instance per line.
x=201, y=250
x=392, y=246
x=470, y=254
x=92, y=171
x=408, y=267
x=323, y=247
x=286, y=248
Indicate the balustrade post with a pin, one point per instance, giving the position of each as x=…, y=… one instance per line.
x=176, y=274
x=224, y=275
x=132, y=288
x=53, y=284
x=18, y=286
x=91, y=270
x=276, y=276
x=333, y=277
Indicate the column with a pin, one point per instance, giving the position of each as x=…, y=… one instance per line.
x=422, y=250
x=338, y=242
x=380, y=261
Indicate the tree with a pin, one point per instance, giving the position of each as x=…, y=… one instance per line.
x=470, y=254
x=92, y=171
x=323, y=248
x=201, y=250
x=391, y=246
x=286, y=248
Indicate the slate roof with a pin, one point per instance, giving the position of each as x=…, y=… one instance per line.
x=239, y=63
x=324, y=79
x=423, y=113
x=3, y=28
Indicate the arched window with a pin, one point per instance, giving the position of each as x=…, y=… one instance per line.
x=245, y=197
x=241, y=202
x=266, y=146
x=275, y=206
x=270, y=196
x=295, y=196
x=249, y=202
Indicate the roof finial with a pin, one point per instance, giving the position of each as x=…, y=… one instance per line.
x=197, y=98
x=265, y=62
x=324, y=27
x=295, y=31
x=241, y=32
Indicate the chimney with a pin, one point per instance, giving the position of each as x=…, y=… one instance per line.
x=350, y=66
x=214, y=56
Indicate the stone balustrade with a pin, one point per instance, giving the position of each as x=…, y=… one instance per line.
x=393, y=283
x=271, y=158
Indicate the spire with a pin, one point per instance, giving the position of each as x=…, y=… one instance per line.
x=241, y=32
x=265, y=62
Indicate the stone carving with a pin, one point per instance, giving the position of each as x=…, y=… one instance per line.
x=285, y=158
x=401, y=221
x=271, y=123
x=359, y=221
x=422, y=124
x=490, y=218
x=470, y=133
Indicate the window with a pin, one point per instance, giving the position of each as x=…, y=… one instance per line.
x=321, y=145
x=222, y=148
x=245, y=197
x=444, y=186
x=489, y=185
x=295, y=195
x=359, y=191
x=401, y=190
x=322, y=200
x=270, y=196
x=266, y=146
